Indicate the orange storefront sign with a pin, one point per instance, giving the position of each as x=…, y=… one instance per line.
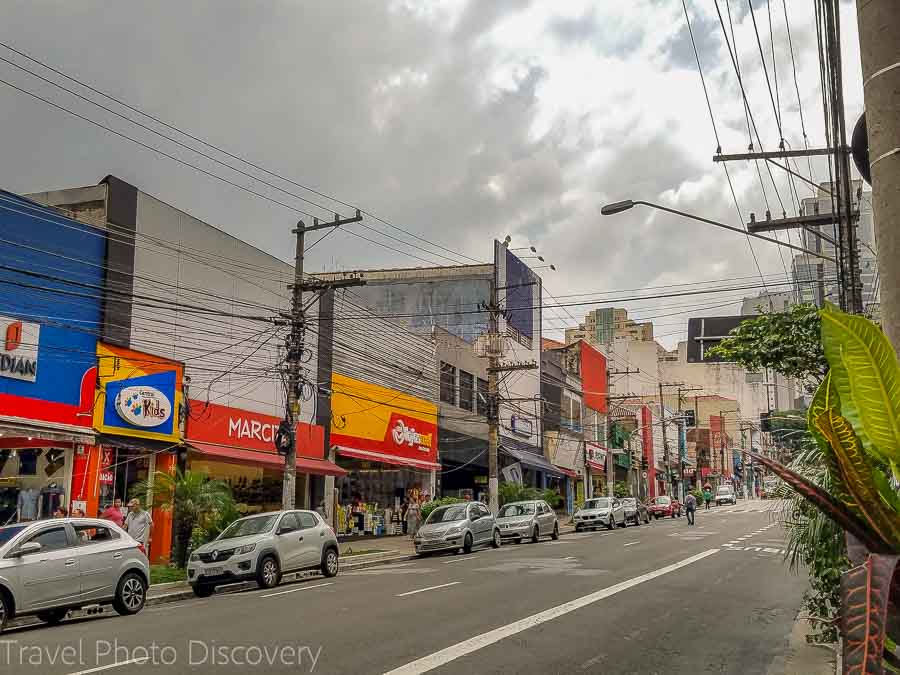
x=372, y=422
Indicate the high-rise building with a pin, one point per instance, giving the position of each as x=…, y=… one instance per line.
x=602, y=326
x=824, y=283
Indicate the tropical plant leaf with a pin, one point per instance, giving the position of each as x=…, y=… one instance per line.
x=818, y=406
x=837, y=511
x=864, y=599
x=867, y=377
x=856, y=472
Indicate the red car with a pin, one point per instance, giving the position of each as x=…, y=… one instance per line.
x=664, y=506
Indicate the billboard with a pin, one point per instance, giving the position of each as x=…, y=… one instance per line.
x=593, y=378
x=376, y=423
x=518, y=291
x=138, y=394
x=704, y=333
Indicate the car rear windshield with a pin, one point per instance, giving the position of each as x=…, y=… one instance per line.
x=663, y=501
x=7, y=533
x=249, y=526
x=512, y=510
x=725, y=491
x=596, y=504
x=447, y=514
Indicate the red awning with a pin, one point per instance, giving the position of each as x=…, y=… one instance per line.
x=568, y=472
x=388, y=459
x=319, y=467
x=596, y=466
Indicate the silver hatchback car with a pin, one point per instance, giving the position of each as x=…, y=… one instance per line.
x=530, y=519
x=457, y=526
x=49, y=567
x=263, y=548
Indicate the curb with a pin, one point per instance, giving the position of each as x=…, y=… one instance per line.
x=185, y=592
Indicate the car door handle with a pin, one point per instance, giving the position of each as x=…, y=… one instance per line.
x=70, y=562
x=117, y=556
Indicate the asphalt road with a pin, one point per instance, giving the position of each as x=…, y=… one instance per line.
x=664, y=598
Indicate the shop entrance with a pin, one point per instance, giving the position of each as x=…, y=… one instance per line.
x=31, y=483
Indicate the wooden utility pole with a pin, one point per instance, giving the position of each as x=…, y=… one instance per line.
x=879, y=26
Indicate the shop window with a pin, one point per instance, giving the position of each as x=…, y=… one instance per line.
x=481, y=400
x=53, y=539
x=448, y=383
x=28, y=462
x=466, y=390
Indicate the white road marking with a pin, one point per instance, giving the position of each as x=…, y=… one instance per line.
x=430, y=588
x=294, y=590
x=111, y=665
x=445, y=656
x=631, y=543
x=571, y=557
x=456, y=560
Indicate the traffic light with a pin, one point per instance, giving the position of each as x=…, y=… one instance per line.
x=284, y=438
x=690, y=419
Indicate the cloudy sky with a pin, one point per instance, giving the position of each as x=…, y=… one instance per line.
x=456, y=120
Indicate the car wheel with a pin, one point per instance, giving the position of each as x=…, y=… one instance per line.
x=496, y=541
x=612, y=523
x=330, y=563
x=268, y=573
x=555, y=534
x=5, y=609
x=535, y=535
x=203, y=590
x=467, y=543
x=52, y=616
x=131, y=594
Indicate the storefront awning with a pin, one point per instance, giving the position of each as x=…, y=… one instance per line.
x=44, y=434
x=533, y=460
x=135, y=443
x=568, y=472
x=373, y=456
x=596, y=466
x=320, y=467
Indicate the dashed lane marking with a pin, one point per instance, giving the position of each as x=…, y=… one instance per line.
x=295, y=590
x=429, y=588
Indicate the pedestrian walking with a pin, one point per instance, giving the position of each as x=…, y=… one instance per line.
x=138, y=523
x=413, y=518
x=114, y=512
x=690, y=505
x=404, y=510
x=707, y=496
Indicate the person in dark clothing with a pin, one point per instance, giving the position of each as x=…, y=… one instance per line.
x=690, y=506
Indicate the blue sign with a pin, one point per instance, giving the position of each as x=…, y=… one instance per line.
x=145, y=403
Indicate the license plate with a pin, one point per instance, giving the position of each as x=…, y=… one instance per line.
x=213, y=571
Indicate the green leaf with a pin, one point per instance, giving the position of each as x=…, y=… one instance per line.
x=864, y=598
x=866, y=375
x=856, y=473
x=818, y=406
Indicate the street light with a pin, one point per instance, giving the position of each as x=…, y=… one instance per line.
x=618, y=207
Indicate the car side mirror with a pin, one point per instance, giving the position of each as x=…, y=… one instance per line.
x=286, y=529
x=474, y=517
x=27, y=549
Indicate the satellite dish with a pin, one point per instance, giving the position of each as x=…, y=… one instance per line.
x=859, y=148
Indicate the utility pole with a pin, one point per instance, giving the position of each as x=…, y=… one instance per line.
x=294, y=354
x=662, y=421
x=610, y=460
x=879, y=25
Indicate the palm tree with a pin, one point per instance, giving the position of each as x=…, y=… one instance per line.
x=194, y=498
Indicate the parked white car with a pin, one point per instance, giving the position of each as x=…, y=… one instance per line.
x=50, y=567
x=263, y=548
x=601, y=511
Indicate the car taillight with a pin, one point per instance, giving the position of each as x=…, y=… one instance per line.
x=142, y=549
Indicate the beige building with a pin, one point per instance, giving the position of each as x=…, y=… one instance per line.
x=602, y=326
